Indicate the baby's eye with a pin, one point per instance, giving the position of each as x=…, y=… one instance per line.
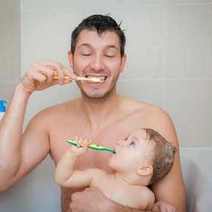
x=132, y=143
x=125, y=139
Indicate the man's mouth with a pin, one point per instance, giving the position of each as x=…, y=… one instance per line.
x=99, y=78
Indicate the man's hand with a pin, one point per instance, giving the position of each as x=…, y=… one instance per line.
x=43, y=75
x=161, y=206
x=92, y=199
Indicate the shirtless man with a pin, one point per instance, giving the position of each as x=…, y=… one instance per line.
x=100, y=114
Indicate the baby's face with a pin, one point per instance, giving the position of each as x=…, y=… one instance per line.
x=132, y=152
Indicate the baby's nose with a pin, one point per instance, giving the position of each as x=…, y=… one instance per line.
x=119, y=142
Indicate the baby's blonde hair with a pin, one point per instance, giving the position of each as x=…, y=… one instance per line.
x=164, y=155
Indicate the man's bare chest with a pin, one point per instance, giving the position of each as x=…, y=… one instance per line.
x=105, y=136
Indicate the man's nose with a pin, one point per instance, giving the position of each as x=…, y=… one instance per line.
x=97, y=63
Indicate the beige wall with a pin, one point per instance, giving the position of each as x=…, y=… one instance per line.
x=9, y=46
x=169, y=46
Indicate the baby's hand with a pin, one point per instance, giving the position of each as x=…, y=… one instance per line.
x=83, y=146
x=84, y=142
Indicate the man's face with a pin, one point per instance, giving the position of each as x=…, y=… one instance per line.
x=132, y=152
x=97, y=56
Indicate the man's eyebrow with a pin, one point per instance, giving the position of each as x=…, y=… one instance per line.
x=112, y=47
x=87, y=45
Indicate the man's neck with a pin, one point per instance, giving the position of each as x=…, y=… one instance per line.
x=100, y=110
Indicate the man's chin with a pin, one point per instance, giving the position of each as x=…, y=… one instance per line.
x=96, y=95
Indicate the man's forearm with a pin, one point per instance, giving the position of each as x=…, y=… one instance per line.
x=11, y=129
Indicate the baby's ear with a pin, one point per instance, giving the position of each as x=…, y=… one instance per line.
x=145, y=170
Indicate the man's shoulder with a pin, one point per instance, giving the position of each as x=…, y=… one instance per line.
x=52, y=113
x=154, y=117
x=151, y=116
x=144, y=108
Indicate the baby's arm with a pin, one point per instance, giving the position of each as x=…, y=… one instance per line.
x=147, y=198
x=66, y=176
x=138, y=197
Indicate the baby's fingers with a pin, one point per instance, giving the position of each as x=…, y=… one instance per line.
x=84, y=142
x=78, y=150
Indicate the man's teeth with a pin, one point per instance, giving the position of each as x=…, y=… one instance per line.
x=101, y=78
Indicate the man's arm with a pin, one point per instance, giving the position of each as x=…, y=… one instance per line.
x=11, y=127
x=91, y=199
x=170, y=189
x=19, y=152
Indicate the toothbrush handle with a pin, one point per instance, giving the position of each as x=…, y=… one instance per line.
x=92, y=146
x=101, y=148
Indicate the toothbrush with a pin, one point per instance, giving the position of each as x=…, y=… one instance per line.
x=95, y=147
x=90, y=79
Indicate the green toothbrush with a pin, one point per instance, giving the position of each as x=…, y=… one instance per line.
x=92, y=146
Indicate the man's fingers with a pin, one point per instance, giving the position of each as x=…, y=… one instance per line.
x=89, y=189
x=48, y=72
x=54, y=65
x=57, y=69
x=64, y=74
x=163, y=207
x=75, y=196
x=156, y=209
x=38, y=77
x=41, y=76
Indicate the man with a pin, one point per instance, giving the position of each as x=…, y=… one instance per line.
x=100, y=114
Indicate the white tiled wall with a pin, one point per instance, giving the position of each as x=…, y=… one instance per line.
x=9, y=46
x=169, y=46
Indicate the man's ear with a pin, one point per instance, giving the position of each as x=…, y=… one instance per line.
x=70, y=58
x=123, y=62
x=145, y=170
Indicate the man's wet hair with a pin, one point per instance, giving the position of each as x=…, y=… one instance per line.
x=164, y=153
x=100, y=24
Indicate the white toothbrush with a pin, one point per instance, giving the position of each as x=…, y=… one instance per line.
x=78, y=78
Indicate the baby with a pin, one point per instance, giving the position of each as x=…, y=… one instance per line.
x=140, y=160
